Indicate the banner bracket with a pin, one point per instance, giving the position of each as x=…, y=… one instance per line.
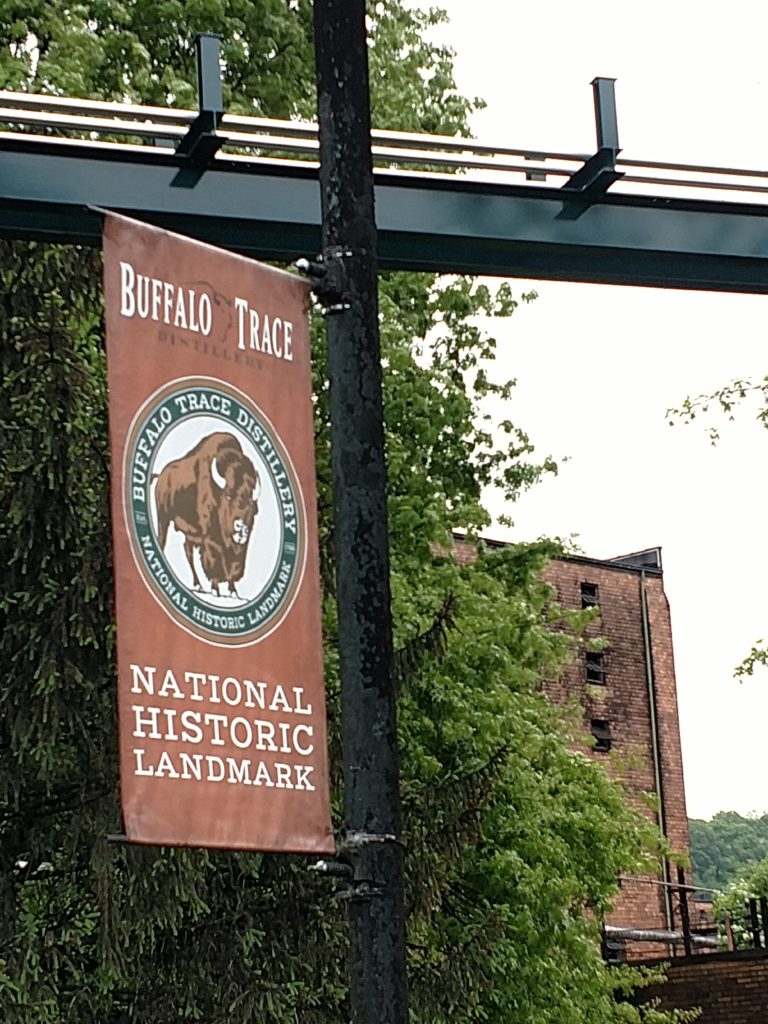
x=332, y=868
x=361, y=891
x=355, y=840
x=329, y=276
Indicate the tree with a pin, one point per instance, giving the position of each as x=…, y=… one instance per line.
x=724, y=846
x=511, y=835
x=750, y=884
x=724, y=401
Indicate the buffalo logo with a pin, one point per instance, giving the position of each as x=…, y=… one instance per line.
x=211, y=496
x=214, y=511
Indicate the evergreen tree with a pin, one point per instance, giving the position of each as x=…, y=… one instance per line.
x=514, y=841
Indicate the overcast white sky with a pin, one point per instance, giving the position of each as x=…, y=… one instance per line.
x=598, y=366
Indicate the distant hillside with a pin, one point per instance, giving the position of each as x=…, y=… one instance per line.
x=721, y=847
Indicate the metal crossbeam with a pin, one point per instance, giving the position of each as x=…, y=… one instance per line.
x=443, y=204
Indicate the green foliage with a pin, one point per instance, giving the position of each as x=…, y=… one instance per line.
x=412, y=86
x=514, y=841
x=724, y=402
x=758, y=656
x=724, y=846
x=143, y=51
x=751, y=883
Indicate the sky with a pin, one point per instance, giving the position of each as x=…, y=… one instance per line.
x=598, y=366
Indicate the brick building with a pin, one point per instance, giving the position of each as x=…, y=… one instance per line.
x=628, y=694
x=728, y=988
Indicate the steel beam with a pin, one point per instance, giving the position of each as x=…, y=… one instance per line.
x=447, y=224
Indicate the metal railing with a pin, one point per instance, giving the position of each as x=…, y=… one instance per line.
x=34, y=119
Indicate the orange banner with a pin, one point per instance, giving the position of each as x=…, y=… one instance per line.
x=220, y=677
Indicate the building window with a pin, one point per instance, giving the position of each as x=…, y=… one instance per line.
x=590, y=595
x=601, y=730
x=595, y=667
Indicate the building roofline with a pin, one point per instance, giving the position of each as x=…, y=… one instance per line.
x=612, y=563
x=634, y=562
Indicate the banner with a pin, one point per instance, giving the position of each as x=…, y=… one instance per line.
x=220, y=677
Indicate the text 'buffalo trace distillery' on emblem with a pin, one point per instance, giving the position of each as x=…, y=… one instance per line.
x=214, y=511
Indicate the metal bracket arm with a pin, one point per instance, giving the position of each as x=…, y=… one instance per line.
x=201, y=143
x=596, y=176
x=328, y=274
x=331, y=868
x=355, y=845
x=355, y=840
x=357, y=850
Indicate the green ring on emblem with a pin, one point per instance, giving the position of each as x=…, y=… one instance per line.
x=195, y=494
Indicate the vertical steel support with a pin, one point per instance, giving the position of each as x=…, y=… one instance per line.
x=209, y=95
x=685, y=917
x=201, y=142
x=606, y=121
x=599, y=172
x=378, y=990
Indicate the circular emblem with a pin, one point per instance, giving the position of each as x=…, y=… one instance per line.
x=214, y=511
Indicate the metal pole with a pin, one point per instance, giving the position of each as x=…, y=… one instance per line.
x=754, y=923
x=650, y=679
x=729, y=933
x=606, y=121
x=376, y=915
x=667, y=936
x=684, y=913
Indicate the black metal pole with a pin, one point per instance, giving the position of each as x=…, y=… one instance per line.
x=685, y=916
x=378, y=990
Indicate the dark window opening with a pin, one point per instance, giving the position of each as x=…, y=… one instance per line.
x=601, y=730
x=590, y=595
x=595, y=667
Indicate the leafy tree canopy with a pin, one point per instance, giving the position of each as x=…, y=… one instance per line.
x=724, y=846
x=750, y=884
x=514, y=841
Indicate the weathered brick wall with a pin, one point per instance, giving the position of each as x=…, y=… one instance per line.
x=675, y=810
x=624, y=702
x=730, y=988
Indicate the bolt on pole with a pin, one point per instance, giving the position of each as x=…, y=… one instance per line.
x=376, y=915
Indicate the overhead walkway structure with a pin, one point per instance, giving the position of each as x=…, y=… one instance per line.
x=448, y=205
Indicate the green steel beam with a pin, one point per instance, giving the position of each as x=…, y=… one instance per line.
x=449, y=225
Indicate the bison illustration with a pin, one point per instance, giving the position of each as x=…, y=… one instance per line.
x=211, y=495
